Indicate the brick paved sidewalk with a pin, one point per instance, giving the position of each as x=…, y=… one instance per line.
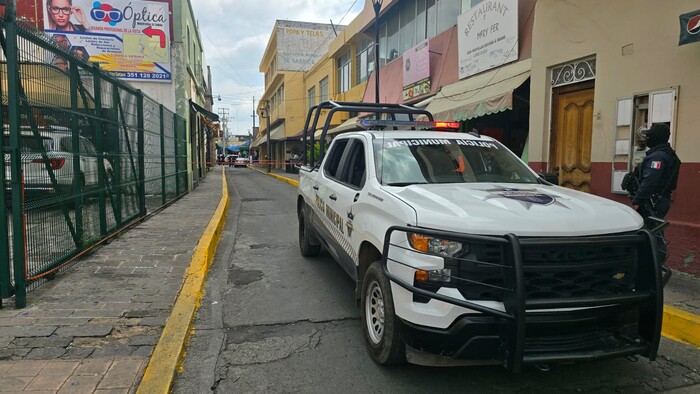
x=94, y=327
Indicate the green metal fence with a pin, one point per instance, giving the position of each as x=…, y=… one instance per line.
x=84, y=155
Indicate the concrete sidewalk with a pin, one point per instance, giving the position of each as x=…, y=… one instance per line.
x=94, y=328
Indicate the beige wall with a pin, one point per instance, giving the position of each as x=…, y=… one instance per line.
x=324, y=68
x=294, y=103
x=570, y=30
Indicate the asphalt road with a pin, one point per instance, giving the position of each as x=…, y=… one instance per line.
x=273, y=321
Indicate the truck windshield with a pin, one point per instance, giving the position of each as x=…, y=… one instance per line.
x=406, y=161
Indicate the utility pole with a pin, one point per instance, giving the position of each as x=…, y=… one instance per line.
x=223, y=114
x=265, y=113
x=269, y=150
x=253, y=116
x=377, y=5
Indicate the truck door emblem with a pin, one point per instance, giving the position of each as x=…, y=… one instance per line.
x=348, y=224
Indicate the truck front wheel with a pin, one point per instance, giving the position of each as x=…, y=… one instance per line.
x=379, y=322
x=305, y=246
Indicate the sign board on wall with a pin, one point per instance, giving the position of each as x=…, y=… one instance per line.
x=300, y=45
x=416, y=71
x=128, y=39
x=690, y=27
x=487, y=36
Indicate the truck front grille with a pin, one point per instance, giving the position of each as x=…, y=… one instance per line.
x=550, y=271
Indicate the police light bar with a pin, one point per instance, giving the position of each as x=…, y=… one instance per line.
x=380, y=124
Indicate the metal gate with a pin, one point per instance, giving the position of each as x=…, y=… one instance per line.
x=84, y=155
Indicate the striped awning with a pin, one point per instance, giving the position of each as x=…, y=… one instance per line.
x=483, y=94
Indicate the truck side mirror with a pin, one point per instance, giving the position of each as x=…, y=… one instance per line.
x=551, y=177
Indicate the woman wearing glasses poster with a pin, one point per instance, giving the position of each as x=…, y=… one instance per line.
x=59, y=14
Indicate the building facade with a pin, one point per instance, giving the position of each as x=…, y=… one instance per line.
x=596, y=81
x=189, y=94
x=568, y=97
x=293, y=49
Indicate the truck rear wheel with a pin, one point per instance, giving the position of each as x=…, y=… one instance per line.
x=379, y=322
x=305, y=246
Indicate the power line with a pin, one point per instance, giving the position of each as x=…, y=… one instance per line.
x=347, y=12
x=224, y=72
x=236, y=95
x=226, y=60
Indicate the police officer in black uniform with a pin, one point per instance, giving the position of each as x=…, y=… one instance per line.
x=657, y=175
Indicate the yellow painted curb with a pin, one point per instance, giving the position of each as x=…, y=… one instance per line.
x=162, y=367
x=681, y=326
x=292, y=182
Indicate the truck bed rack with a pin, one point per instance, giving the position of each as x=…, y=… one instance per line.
x=377, y=109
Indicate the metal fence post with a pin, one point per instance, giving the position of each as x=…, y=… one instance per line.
x=175, y=143
x=78, y=176
x=5, y=281
x=141, y=153
x=162, y=153
x=99, y=142
x=18, y=237
x=118, y=215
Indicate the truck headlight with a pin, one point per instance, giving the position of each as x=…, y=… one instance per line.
x=434, y=276
x=441, y=247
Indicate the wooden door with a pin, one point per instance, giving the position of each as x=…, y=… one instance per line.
x=570, y=145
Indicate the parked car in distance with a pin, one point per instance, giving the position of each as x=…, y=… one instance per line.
x=52, y=152
x=240, y=161
x=229, y=159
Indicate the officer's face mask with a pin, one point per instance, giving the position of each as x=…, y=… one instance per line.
x=655, y=139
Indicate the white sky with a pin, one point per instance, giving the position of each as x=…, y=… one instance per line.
x=235, y=33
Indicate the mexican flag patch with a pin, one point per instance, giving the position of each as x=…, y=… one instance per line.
x=656, y=165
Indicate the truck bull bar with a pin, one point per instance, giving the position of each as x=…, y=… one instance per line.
x=647, y=294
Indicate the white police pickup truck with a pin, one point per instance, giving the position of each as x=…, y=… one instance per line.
x=463, y=255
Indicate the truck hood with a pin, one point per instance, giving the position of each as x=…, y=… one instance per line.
x=521, y=209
